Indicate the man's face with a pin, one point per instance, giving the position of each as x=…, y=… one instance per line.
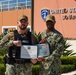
x=50, y=25
x=22, y=24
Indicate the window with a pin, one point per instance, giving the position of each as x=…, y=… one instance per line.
x=6, y=29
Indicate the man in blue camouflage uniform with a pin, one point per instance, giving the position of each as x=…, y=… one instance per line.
x=18, y=66
x=51, y=65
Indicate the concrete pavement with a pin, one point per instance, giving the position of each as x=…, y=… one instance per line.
x=70, y=73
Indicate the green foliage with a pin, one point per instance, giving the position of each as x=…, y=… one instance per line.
x=1, y=60
x=68, y=63
x=67, y=52
x=67, y=68
x=66, y=45
x=35, y=34
x=68, y=60
x=2, y=69
x=3, y=52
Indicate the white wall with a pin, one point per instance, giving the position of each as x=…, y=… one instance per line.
x=73, y=45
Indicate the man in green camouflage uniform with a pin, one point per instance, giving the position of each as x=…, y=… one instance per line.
x=51, y=65
x=17, y=67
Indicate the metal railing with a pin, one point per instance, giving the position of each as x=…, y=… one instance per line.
x=9, y=5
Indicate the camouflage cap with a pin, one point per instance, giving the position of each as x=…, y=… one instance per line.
x=51, y=18
x=23, y=17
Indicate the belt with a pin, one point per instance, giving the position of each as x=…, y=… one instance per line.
x=21, y=61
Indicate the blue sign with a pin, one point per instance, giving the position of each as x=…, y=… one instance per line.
x=44, y=13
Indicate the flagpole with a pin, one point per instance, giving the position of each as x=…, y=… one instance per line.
x=32, y=15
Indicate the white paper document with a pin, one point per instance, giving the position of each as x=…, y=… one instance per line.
x=43, y=50
x=28, y=51
x=34, y=51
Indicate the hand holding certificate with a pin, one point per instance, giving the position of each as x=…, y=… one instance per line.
x=34, y=51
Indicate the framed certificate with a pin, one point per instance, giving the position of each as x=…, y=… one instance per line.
x=28, y=51
x=34, y=51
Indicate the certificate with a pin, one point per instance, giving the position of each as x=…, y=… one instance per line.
x=34, y=51
x=28, y=51
x=43, y=50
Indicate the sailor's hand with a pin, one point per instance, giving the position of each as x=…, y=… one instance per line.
x=34, y=61
x=17, y=43
x=43, y=41
x=41, y=59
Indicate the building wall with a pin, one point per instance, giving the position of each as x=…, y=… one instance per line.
x=66, y=26
x=73, y=45
x=10, y=18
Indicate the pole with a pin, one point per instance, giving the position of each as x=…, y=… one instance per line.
x=32, y=16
